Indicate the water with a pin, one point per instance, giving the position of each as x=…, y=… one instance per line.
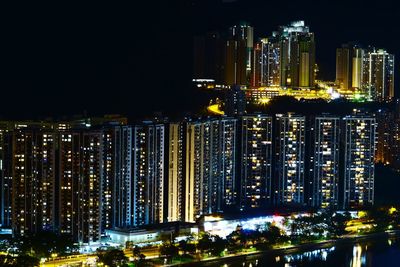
x=380, y=251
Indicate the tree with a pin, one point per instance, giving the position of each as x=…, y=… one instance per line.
x=337, y=224
x=204, y=242
x=43, y=244
x=187, y=247
x=138, y=255
x=169, y=250
x=272, y=234
x=381, y=217
x=218, y=245
x=112, y=258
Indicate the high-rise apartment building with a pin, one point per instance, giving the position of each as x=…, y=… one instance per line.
x=176, y=171
x=6, y=155
x=379, y=74
x=290, y=159
x=325, y=161
x=210, y=166
x=349, y=66
x=256, y=161
x=33, y=181
x=80, y=184
x=227, y=196
x=359, y=152
x=117, y=180
x=199, y=172
x=148, y=173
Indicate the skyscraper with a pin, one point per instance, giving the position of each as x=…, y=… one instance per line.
x=33, y=201
x=238, y=55
x=117, y=180
x=379, y=74
x=176, y=171
x=349, y=66
x=199, y=171
x=69, y=175
x=297, y=55
x=256, y=161
x=6, y=155
x=80, y=184
x=290, y=154
x=325, y=161
x=210, y=166
x=227, y=190
x=148, y=173
x=359, y=153
x=258, y=65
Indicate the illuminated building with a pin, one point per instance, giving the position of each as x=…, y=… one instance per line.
x=5, y=174
x=235, y=101
x=273, y=54
x=388, y=137
x=290, y=155
x=210, y=162
x=196, y=184
x=117, y=187
x=349, y=66
x=238, y=55
x=359, y=152
x=176, y=171
x=228, y=148
x=34, y=177
x=266, y=63
x=148, y=173
x=325, y=161
x=297, y=55
x=256, y=161
x=379, y=74
x=80, y=185
x=258, y=65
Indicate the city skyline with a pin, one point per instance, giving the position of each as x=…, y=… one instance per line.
x=183, y=132
x=108, y=58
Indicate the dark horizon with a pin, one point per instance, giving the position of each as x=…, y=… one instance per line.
x=135, y=60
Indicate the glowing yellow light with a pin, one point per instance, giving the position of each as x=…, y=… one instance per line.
x=362, y=214
x=392, y=210
x=215, y=109
x=264, y=100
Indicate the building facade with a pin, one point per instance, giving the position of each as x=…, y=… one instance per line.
x=359, y=153
x=290, y=159
x=256, y=161
x=148, y=173
x=325, y=161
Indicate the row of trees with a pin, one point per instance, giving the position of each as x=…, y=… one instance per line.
x=295, y=230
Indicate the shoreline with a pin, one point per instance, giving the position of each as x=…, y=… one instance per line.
x=294, y=248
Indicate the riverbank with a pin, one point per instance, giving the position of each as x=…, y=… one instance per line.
x=290, y=249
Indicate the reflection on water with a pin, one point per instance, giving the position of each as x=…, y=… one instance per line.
x=320, y=254
x=377, y=252
x=358, y=256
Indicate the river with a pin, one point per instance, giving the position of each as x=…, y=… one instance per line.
x=379, y=251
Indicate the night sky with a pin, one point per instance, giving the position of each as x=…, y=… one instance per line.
x=63, y=59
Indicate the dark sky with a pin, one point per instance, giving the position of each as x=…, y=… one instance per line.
x=136, y=59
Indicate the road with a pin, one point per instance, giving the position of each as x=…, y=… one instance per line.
x=77, y=260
